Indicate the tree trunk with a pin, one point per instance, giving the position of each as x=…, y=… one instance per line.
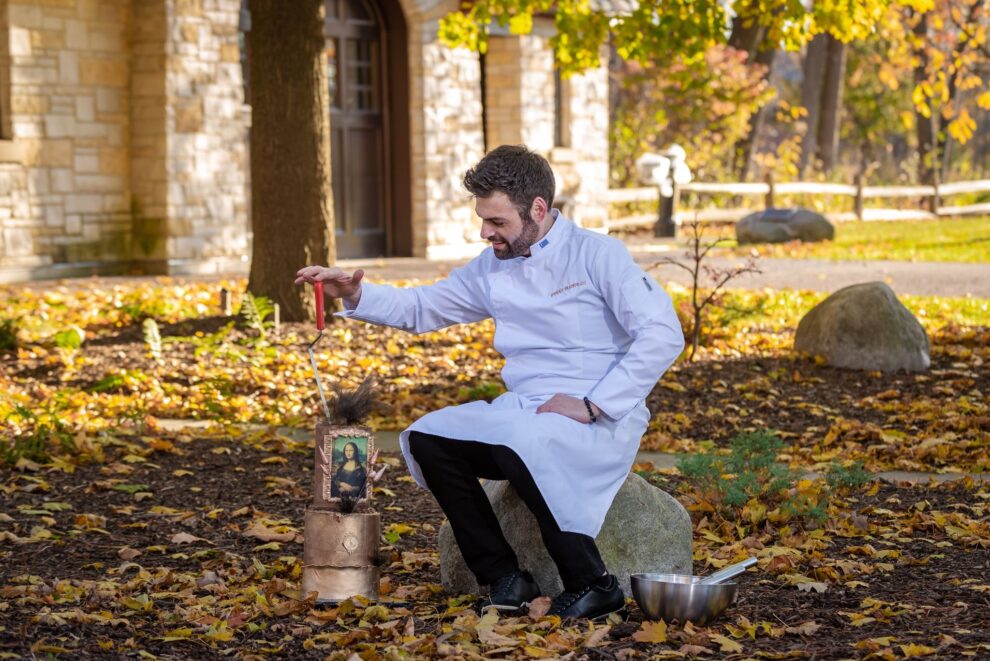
x=925, y=126
x=291, y=203
x=831, y=113
x=744, y=147
x=811, y=97
x=750, y=39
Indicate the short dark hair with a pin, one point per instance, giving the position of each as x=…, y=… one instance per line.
x=521, y=174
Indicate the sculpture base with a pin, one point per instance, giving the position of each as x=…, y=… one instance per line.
x=340, y=555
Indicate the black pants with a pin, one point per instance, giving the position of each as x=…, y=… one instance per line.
x=452, y=468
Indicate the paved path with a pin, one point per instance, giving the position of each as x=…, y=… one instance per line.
x=919, y=278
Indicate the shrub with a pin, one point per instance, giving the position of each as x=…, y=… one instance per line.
x=749, y=479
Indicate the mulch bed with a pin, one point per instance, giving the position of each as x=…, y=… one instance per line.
x=926, y=591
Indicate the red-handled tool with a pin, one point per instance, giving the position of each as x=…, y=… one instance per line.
x=320, y=313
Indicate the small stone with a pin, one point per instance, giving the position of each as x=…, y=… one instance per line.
x=781, y=225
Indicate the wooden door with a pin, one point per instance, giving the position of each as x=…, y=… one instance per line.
x=355, y=66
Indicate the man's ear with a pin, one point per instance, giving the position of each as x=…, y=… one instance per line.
x=539, y=209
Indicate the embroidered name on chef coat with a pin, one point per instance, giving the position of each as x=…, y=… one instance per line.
x=569, y=287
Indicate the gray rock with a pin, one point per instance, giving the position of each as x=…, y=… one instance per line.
x=864, y=327
x=646, y=530
x=780, y=225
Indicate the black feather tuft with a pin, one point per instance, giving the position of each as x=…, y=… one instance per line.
x=353, y=406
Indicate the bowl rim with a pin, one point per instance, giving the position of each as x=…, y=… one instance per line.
x=650, y=577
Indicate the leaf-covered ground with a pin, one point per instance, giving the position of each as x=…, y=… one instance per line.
x=179, y=548
x=119, y=539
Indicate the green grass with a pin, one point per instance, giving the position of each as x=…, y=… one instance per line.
x=945, y=240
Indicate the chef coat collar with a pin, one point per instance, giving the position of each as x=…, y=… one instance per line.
x=558, y=232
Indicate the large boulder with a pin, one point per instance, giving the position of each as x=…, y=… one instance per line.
x=646, y=530
x=864, y=327
x=781, y=225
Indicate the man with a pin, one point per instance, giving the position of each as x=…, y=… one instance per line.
x=585, y=334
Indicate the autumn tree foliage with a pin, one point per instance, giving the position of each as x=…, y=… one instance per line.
x=705, y=104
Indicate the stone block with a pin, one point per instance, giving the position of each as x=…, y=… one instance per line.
x=47, y=39
x=63, y=180
x=54, y=216
x=20, y=41
x=107, y=100
x=73, y=224
x=85, y=108
x=103, y=72
x=230, y=53
x=18, y=241
x=189, y=116
x=29, y=104
x=76, y=35
x=99, y=183
x=107, y=41
x=68, y=68
x=60, y=126
x=188, y=7
x=149, y=85
x=87, y=163
x=28, y=75
x=113, y=161
x=24, y=16
x=37, y=181
x=190, y=32
x=84, y=204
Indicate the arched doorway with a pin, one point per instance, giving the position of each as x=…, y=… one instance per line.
x=369, y=121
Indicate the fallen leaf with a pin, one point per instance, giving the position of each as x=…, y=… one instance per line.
x=651, y=632
x=539, y=607
x=186, y=538
x=127, y=553
x=726, y=644
x=805, y=629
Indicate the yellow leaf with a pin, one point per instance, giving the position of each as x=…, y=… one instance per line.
x=181, y=473
x=727, y=644
x=275, y=460
x=912, y=650
x=651, y=632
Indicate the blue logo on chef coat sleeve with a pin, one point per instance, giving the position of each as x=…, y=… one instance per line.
x=544, y=242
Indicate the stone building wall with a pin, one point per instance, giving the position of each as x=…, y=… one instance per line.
x=522, y=108
x=446, y=135
x=582, y=162
x=66, y=166
x=207, y=126
x=128, y=138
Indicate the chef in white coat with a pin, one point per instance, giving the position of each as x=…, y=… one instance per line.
x=585, y=334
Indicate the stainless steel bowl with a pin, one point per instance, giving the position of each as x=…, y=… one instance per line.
x=681, y=597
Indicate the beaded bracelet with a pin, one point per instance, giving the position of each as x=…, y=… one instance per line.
x=591, y=412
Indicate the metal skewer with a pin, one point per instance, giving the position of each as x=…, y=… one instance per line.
x=318, y=290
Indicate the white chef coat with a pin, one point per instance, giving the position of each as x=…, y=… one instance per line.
x=577, y=317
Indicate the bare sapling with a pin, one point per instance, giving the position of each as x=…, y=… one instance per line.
x=702, y=296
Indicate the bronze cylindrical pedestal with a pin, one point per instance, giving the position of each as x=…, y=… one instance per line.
x=340, y=555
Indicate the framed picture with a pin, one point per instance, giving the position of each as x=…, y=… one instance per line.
x=349, y=450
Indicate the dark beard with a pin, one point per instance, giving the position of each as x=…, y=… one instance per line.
x=520, y=246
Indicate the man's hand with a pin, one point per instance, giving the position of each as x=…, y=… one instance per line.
x=336, y=283
x=572, y=407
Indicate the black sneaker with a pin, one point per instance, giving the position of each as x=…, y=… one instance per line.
x=592, y=602
x=511, y=592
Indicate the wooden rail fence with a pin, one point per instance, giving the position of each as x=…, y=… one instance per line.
x=932, y=196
